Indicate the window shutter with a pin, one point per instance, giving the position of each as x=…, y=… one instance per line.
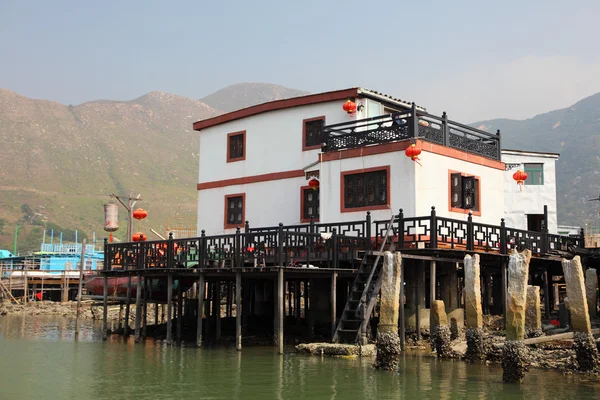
x=456, y=191
x=468, y=192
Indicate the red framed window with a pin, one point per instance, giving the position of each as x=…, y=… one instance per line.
x=236, y=146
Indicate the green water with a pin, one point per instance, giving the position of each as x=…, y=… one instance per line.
x=40, y=360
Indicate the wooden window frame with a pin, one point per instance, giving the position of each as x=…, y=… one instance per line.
x=343, y=207
x=225, y=220
x=304, y=121
x=476, y=211
x=302, y=219
x=229, y=135
x=530, y=175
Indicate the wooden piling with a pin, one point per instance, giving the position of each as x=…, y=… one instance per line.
x=297, y=300
x=201, y=287
x=105, y=311
x=504, y=271
x=402, y=331
x=179, y=310
x=333, y=302
x=417, y=277
x=281, y=309
x=128, y=306
x=238, y=310
x=138, y=308
x=169, y=306
x=308, y=312
x=546, y=295
x=145, y=308
x=217, y=310
x=432, y=289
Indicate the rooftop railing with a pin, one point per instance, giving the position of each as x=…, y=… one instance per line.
x=412, y=124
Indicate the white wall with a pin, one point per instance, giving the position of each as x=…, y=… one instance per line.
x=402, y=183
x=267, y=204
x=273, y=142
x=533, y=197
x=433, y=185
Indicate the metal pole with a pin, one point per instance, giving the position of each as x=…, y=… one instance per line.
x=79, y=289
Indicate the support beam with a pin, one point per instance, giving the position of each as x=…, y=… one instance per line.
x=297, y=301
x=418, y=279
x=199, y=312
x=402, y=332
x=145, y=308
x=238, y=310
x=546, y=295
x=169, y=306
x=105, y=311
x=217, y=309
x=281, y=309
x=432, y=288
x=128, y=307
x=503, y=274
x=179, y=310
x=138, y=308
x=333, y=303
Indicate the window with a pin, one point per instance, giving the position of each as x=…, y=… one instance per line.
x=309, y=203
x=365, y=190
x=234, y=210
x=313, y=134
x=236, y=146
x=535, y=174
x=464, y=193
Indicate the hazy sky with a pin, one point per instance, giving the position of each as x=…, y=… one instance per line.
x=474, y=59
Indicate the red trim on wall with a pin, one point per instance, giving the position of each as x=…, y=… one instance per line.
x=228, y=196
x=243, y=157
x=304, y=121
x=476, y=212
x=274, y=176
x=367, y=208
x=302, y=219
x=402, y=145
x=277, y=105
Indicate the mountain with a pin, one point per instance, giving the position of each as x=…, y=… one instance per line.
x=59, y=163
x=574, y=132
x=244, y=95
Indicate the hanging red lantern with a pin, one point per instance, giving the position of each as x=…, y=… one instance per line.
x=139, y=237
x=520, y=177
x=140, y=214
x=413, y=152
x=314, y=183
x=349, y=106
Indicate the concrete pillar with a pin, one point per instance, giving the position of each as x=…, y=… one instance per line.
x=472, y=293
x=440, y=332
x=388, y=342
x=585, y=347
x=591, y=285
x=514, y=353
x=533, y=314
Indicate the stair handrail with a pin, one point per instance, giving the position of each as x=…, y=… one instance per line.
x=383, y=243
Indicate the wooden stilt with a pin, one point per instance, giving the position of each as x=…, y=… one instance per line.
x=333, y=303
x=207, y=309
x=504, y=287
x=145, y=309
x=138, y=306
x=432, y=288
x=402, y=331
x=156, y=314
x=169, y=306
x=418, y=278
x=217, y=310
x=105, y=311
x=128, y=307
x=297, y=301
x=120, y=321
x=179, y=310
x=546, y=295
x=275, y=310
x=238, y=310
x=200, y=310
x=308, y=287
x=281, y=309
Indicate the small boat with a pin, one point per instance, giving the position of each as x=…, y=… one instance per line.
x=117, y=286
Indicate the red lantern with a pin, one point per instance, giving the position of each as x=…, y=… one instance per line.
x=413, y=152
x=314, y=183
x=138, y=237
x=350, y=107
x=520, y=177
x=140, y=214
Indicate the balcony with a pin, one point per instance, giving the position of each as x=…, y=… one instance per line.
x=411, y=124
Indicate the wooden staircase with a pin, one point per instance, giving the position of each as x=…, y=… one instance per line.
x=352, y=326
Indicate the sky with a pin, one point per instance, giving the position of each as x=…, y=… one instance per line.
x=474, y=59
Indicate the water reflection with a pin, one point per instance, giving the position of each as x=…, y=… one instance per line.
x=40, y=358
